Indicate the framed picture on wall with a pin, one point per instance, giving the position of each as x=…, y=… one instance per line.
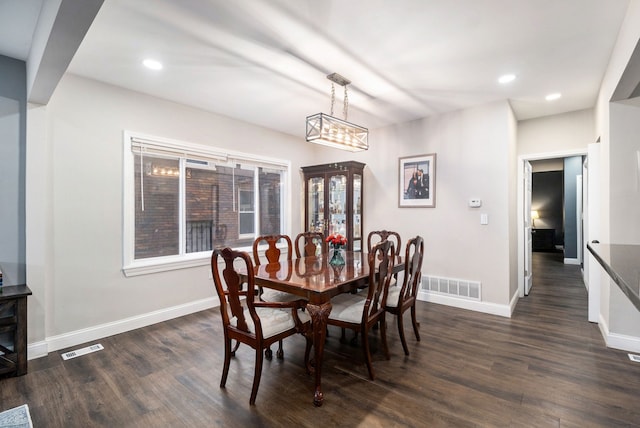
x=417, y=181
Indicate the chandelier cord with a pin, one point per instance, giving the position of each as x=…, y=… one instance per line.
x=346, y=103
x=345, y=107
x=333, y=97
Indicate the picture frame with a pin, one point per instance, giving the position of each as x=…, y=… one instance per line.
x=417, y=181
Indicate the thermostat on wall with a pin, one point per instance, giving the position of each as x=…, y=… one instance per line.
x=475, y=203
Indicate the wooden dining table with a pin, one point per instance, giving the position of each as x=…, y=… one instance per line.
x=315, y=280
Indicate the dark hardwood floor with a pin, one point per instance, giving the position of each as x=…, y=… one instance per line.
x=545, y=367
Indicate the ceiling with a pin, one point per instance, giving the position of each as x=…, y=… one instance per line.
x=266, y=61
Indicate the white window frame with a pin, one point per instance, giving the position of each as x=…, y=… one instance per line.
x=154, y=146
x=253, y=212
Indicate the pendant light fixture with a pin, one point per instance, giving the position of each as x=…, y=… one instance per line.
x=333, y=132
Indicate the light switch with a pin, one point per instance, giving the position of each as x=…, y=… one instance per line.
x=484, y=218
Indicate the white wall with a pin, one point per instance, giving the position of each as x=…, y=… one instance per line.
x=624, y=204
x=624, y=153
x=513, y=206
x=546, y=165
x=475, y=159
x=619, y=319
x=39, y=221
x=80, y=250
x=560, y=132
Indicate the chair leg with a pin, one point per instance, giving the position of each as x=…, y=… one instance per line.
x=280, y=352
x=399, y=317
x=416, y=325
x=383, y=335
x=256, y=377
x=268, y=353
x=354, y=341
x=367, y=354
x=227, y=361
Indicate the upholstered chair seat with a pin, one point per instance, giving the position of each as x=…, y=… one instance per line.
x=274, y=321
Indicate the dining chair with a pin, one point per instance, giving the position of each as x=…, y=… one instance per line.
x=272, y=255
x=250, y=321
x=401, y=298
x=307, y=243
x=360, y=313
x=273, y=252
x=381, y=235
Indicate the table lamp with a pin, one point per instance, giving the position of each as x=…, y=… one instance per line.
x=534, y=216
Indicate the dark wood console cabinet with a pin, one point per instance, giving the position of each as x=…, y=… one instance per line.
x=543, y=239
x=13, y=330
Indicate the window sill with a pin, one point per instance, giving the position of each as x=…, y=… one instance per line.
x=165, y=264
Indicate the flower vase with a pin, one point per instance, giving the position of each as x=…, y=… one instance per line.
x=337, y=258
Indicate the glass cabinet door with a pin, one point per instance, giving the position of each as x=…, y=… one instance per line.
x=357, y=210
x=338, y=204
x=315, y=210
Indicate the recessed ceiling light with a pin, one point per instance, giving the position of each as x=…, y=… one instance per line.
x=507, y=78
x=553, y=97
x=152, y=64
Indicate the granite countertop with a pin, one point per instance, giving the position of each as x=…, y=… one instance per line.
x=622, y=263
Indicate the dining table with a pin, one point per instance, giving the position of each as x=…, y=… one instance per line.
x=317, y=281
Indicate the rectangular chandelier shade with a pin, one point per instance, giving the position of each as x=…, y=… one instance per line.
x=333, y=132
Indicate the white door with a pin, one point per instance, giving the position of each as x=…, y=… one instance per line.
x=528, y=277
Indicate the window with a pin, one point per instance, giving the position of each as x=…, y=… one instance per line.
x=182, y=200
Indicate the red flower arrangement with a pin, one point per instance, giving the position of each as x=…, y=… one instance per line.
x=336, y=240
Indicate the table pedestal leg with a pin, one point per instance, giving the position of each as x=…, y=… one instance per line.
x=319, y=316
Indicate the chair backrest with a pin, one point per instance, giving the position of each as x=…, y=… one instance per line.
x=307, y=243
x=231, y=290
x=272, y=253
x=414, y=255
x=381, y=262
x=382, y=235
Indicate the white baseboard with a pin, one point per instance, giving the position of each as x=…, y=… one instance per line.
x=37, y=350
x=571, y=261
x=618, y=341
x=54, y=343
x=472, y=305
x=513, y=303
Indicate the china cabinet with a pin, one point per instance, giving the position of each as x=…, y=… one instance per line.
x=333, y=200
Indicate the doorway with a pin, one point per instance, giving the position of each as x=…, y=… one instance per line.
x=547, y=205
x=525, y=221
